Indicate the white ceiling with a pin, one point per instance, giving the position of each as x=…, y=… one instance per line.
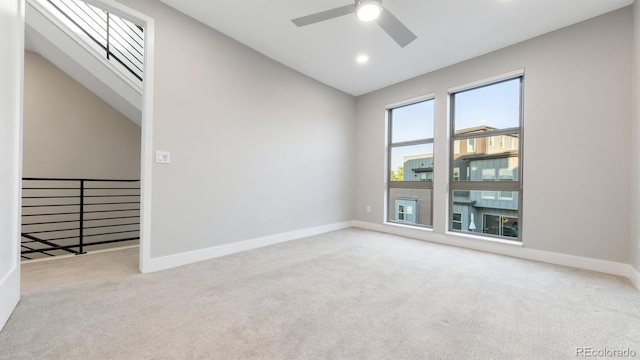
x=449, y=31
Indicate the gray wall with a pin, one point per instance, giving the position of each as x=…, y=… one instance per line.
x=577, y=103
x=256, y=148
x=70, y=132
x=635, y=142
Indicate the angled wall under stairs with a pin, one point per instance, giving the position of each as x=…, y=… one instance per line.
x=47, y=35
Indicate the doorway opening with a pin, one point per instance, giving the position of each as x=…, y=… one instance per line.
x=89, y=198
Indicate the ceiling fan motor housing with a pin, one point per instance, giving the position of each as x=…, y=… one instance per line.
x=368, y=10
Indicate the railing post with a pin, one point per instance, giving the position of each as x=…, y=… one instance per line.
x=108, y=43
x=81, y=227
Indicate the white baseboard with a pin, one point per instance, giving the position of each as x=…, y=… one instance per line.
x=634, y=276
x=603, y=266
x=170, y=261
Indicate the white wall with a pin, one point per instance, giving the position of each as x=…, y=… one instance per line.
x=576, y=137
x=70, y=132
x=11, y=70
x=635, y=142
x=256, y=148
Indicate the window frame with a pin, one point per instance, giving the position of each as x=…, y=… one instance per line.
x=419, y=185
x=487, y=186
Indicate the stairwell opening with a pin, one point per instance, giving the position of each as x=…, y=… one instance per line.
x=86, y=184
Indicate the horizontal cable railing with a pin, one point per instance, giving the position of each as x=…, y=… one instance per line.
x=121, y=40
x=65, y=216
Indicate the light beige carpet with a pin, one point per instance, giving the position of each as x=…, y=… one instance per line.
x=350, y=294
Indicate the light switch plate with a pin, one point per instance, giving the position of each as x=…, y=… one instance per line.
x=163, y=157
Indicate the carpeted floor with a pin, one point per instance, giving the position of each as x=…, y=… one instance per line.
x=350, y=294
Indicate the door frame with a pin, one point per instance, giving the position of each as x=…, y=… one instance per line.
x=146, y=141
x=11, y=149
x=11, y=94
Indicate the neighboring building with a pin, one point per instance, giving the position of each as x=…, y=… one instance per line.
x=493, y=158
x=418, y=168
x=414, y=206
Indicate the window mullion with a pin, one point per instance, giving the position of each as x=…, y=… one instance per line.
x=411, y=184
x=487, y=133
x=411, y=143
x=486, y=185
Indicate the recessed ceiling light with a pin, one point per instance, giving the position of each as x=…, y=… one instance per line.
x=362, y=59
x=368, y=10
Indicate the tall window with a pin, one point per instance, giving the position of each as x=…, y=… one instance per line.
x=410, y=164
x=489, y=194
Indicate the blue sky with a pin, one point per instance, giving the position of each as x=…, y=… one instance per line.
x=497, y=106
x=413, y=122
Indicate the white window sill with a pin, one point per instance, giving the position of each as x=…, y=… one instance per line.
x=483, y=238
x=407, y=226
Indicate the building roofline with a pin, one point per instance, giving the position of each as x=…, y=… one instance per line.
x=475, y=129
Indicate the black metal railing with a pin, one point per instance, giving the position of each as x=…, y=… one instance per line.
x=65, y=216
x=121, y=40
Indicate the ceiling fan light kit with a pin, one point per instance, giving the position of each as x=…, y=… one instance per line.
x=365, y=10
x=368, y=10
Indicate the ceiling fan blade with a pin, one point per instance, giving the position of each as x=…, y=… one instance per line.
x=396, y=29
x=324, y=15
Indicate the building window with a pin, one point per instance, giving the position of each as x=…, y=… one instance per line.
x=406, y=210
x=506, y=195
x=491, y=189
x=456, y=221
x=500, y=225
x=505, y=174
x=426, y=176
x=410, y=163
x=488, y=195
x=488, y=175
x=471, y=145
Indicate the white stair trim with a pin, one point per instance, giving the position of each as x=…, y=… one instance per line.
x=68, y=51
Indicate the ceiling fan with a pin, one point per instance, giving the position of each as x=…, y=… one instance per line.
x=365, y=10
